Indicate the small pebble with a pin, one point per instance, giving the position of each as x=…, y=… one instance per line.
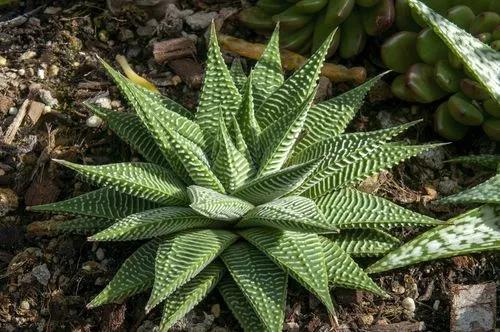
x=215, y=310
x=53, y=70
x=47, y=109
x=200, y=20
x=25, y=305
x=103, y=36
x=94, y=121
x=27, y=55
x=366, y=319
x=99, y=254
x=408, y=304
x=41, y=273
x=104, y=102
x=435, y=306
x=21, y=72
x=46, y=98
x=40, y=73
x=13, y=110
x=3, y=61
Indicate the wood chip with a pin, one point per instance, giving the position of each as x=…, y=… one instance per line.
x=473, y=307
x=172, y=49
x=399, y=327
x=189, y=70
x=10, y=134
x=35, y=111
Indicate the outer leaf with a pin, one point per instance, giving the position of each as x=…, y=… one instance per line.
x=278, y=139
x=101, y=203
x=218, y=90
x=84, y=225
x=217, y=206
x=331, y=117
x=248, y=123
x=482, y=61
x=154, y=223
x=185, y=298
x=474, y=231
x=238, y=75
x=343, y=270
x=230, y=165
x=272, y=186
x=352, y=172
x=486, y=192
x=144, y=180
x=182, y=256
x=365, y=242
x=296, y=89
x=134, y=276
x=130, y=129
x=194, y=161
x=239, y=306
x=300, y=254
x=490, y=161
x=262, y=282
x=294, y=213
x=351, y=208
x=267, y=72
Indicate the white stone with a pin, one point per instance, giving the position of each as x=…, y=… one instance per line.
x=200, y=20
x=41, y=274
x=408, y=304
x=40, y=73
x=27, y=55
x=3, y=61
x=94, y=121
x=99, y=254
x=13, y=110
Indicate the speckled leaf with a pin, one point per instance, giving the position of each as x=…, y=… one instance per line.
x=238, y=75
x=261, y=281
x=474, y=231
x=365, y=242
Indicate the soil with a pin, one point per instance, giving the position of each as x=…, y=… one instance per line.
x=48, y=280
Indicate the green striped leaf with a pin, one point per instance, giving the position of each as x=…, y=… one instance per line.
x=331, y=117
x=101, y=203
x=84, y=225
x=351, y=208
x=343, y=270
x=296, y=89
x=154, y=223
x=248, y=123
x=182, y=256
x=261, y=281
x=340, y=175
x=238, y=74
x=217, y=206
x=300, y=254
x=480, y=60
x=239, y=306
x=194, y=161
x=275, y=185
x=230, y=165
x=268, y=72
x=236, y=135
x=365, y=242
x=144, y=180
x=130, y=129
x=134, y=276
x=474, y=231
x=294, y=213
x=486, y=192
x=278, y=139
x=218, y=90
x=490, y=161
x=185, y=298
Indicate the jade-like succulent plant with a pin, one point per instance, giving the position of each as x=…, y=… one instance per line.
x=429, y=71
x=254, y=188
x=305, y=24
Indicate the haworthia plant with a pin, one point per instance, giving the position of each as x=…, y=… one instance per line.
x=236, y=183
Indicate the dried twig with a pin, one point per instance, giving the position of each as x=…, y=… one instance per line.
x=20, y=20
x=14, y=126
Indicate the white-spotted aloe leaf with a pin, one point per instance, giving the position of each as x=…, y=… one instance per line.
x=365, y=242
x=482, y=61
x=185, y=298
x=218, y=90
x=343, y=271
x=300, y=254
x=267, y=72
x=100, y=203
x=275, y=185
x=154, y=223
x=217, y=206
x=144, y=180
x=294, y=213
x=349, y=208
x=135, y=275
x=474, y=231
x=331, y=117
x=261, y=281
x=182, y=256
x=486, y=192
x=239, y=306
x=130, y=129
x=295, y=90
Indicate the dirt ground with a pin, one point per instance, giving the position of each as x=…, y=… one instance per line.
x=47, y=280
